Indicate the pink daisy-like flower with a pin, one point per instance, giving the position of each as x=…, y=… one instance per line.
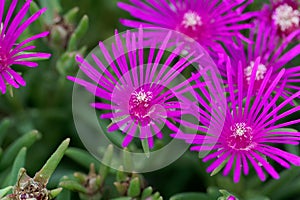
x=252, y=128
x=273, y=53
x=140, y=96
x=207, y=22
x=11, y=52
x=283, y=15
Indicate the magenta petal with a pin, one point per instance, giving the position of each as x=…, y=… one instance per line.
x=16, y=54
x=2, y=85
x=127, y=140
x=266, y=165
x=257, y=168
x=218, y=161
x=9, y=79
x=228, y=166
x=237, y=169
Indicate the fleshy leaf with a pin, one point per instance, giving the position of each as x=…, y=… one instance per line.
x=47, y=170
x=18, y=164
x=107, y=158
x=134, y=187
x=190, y=196
x=4, y=191
x=82, y=157
x=11, y=152
x=4, y=125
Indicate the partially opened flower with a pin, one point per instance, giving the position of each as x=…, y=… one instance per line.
x=12, y=51
x=274, y=53
x=252, y=129
x=283, y=16
x=207, y=22
x=140, y=96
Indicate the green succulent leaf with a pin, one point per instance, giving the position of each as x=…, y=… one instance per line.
x=121, y=175
x=64, y=195
x=190, y=196
x=4, y=125
x=156, y=196
x=39, y=23
x=11, y=152
x=47, y=170
x=146, y=192
x=121, y=187
x=70, y=16
x=82, y=27
x=284, y=130
x=18, y=164
x=122, y=198
x=4, y=191
x=128, y=163
x=273, y=186
x=53, y=7
x=80, y=177
x=55, y=192
x=82, y=157
x=107, y=158
x=134, y=188
x=72, y=44
x=73, y=186
x=219, y=168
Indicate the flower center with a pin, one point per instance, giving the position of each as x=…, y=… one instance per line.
x=191, y=20
x=139, y=106
x=260, y=73
x=286, y=17
x=240, y=137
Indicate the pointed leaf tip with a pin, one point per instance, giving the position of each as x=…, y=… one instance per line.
x=47, y=170
x=134, y=188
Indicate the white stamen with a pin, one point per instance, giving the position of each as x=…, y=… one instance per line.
x=239, y=129
x=1, y=29
x=143, y=96
x=285, y=17
x=191, y=19
x=260, y=73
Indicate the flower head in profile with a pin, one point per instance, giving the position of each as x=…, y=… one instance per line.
x=12, y=51
x=272, y=52
x=283, y=16
x=142, y=89
x=252, y=128
x=207, y=22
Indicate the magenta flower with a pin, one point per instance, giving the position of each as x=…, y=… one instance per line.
x=207, y=22
x=272, y=52
x=283, y=16
x=251, y=130
x=139, y=96
x=231, y=198
x=11, y=52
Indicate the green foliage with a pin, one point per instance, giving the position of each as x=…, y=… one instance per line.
x=23, y=184
x=190, y=196
x=12, y=150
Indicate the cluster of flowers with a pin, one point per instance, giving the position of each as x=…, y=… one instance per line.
x=142, y=95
